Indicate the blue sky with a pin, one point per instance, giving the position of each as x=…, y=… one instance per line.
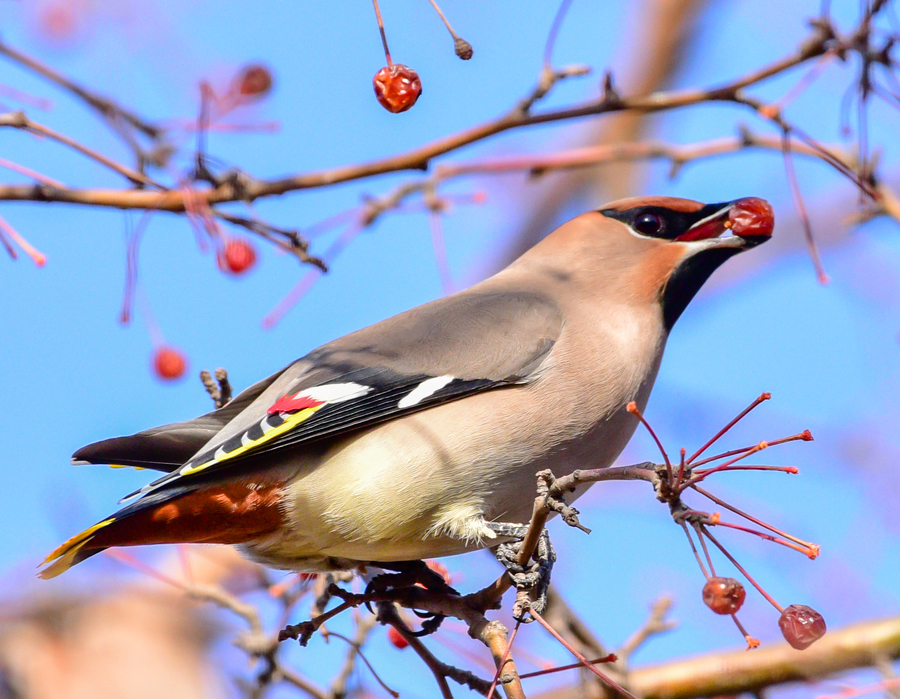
x=70, y=374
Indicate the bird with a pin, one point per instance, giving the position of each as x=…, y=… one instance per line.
x=420, y=436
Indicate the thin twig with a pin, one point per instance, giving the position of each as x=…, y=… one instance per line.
x=656, y=624
x=19, y=120
x=105, y=106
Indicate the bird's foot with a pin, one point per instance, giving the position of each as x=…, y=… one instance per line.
x=531, y=580
x=411, y=573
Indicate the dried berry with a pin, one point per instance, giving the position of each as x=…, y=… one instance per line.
x=801, y=626
x=752, y=217
x=463, y=48
x=396, y=638
x=253, y=82
x=397, y=87
x=168, y=363
x=723, y=595
x=237, y=257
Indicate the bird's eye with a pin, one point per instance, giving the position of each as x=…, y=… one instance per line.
x=648, y=224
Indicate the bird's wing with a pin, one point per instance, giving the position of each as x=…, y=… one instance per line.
x=166, y=448
x=442, y=351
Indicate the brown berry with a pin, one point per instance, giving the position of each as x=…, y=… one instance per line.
x=396, y=638
x=801, y=626
x=752, y=217
x=397, y=87
x=237, y=257
x=463, y=48
x=169, y=363
x=253, y=82
x=723, y=595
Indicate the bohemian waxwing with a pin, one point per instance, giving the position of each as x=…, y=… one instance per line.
x=421, y=435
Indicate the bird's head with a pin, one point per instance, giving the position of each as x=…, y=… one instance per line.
x=659, y=249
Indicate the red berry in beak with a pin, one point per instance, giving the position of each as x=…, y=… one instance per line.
x=397, y=87
x=751, y=217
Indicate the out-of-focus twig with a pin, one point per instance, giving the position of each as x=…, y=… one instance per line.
x=656, y=624
x=106, y=107
x=18, y=120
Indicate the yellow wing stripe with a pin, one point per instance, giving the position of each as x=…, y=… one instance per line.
x=290, y=422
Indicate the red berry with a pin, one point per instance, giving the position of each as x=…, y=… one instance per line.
x=397, y=87
x=57, y=22
x=169, y=363
x=237, y=257
x=253, y=82
x=752, y=217
x=396, y=638
x=723, y=595
x=801, y=626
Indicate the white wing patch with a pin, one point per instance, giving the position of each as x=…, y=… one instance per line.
x=335, y=392
x=423, y=390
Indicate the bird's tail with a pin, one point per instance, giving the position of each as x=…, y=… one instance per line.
x=226, y=513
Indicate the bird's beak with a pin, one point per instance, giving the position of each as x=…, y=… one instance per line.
x=750, y=221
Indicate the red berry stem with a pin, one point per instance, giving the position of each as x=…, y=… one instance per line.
x=611, y=658
x=633, y=409
x=131, y=267
x=722, y=467
x=805, y=436
x=705, y=550
x=751, y=642
x=292, y=298
x=463, y=48
x=737, y=565
x=811, y=553
x=723, y=455
x=799, y=204
x=736, y=420
x=439, y=243
x=554, y=32
x=812, y=547
x=39, y=258
x=681, y=467
x=583, y=660
x=687, y=533
x=387, y=53
x=749, y=467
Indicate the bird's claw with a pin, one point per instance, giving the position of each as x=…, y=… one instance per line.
x=533, y=578
x=412, y=573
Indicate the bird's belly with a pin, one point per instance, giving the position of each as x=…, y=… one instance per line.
x=459, y=466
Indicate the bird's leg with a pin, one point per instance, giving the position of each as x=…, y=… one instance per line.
x=410, y=573
x=535, y=575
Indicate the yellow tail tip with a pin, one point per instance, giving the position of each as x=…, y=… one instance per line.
x=63, y=556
